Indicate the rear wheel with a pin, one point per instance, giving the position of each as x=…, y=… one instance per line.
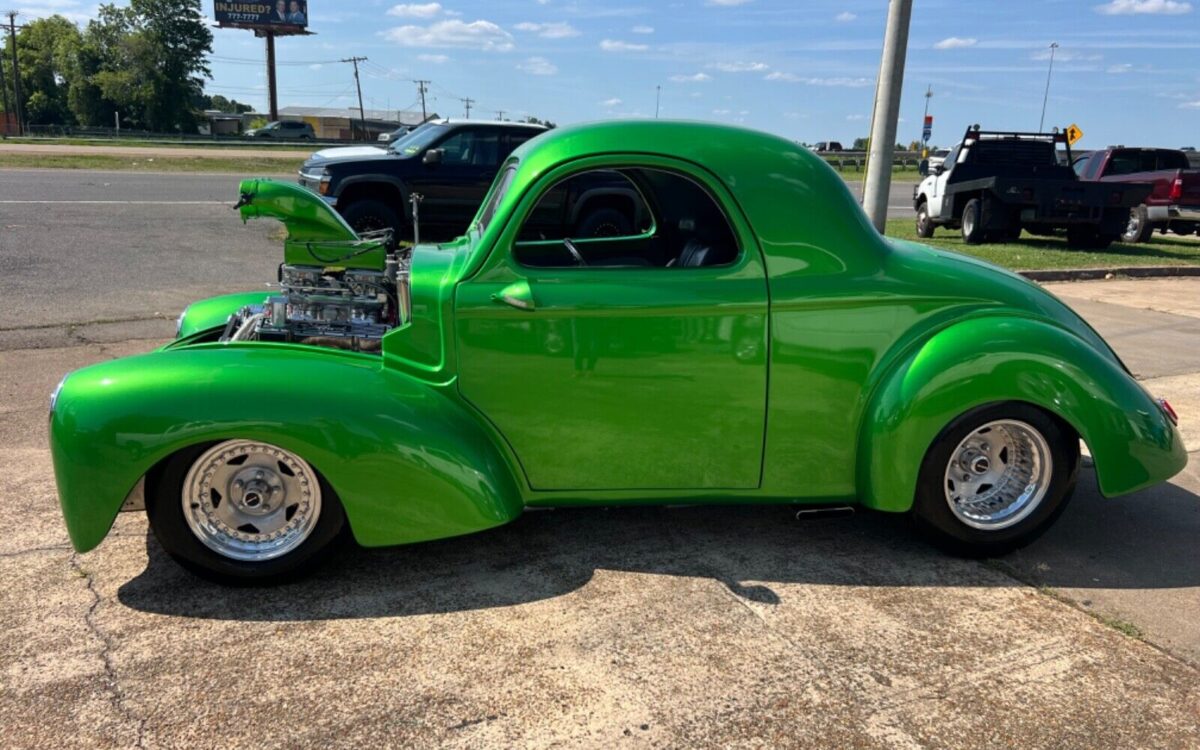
x=972, y=222
x=995, y=479
x=924, y=225
x=242, y=511
x=1139, y=227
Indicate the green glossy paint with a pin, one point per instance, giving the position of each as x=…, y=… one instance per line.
x=817, y=367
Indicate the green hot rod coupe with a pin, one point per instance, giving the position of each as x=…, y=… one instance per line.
x=741, y=335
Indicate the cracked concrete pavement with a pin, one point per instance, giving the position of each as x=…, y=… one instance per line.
x=703, y=627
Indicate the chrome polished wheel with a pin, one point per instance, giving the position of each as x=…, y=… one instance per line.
x=998, y=475
x=251, y=501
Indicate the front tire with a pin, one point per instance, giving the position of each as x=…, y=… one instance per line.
x=242, y=512
x=924, y=225
x=995, y=479
x=371, y=216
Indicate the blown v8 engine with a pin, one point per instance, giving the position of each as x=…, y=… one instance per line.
x=336, y=288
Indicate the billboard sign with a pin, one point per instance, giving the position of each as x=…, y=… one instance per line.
x=269, y=14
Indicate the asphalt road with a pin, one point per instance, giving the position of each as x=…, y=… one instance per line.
x=699, y=627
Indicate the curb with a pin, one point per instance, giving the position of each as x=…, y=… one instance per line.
x=1091, y=274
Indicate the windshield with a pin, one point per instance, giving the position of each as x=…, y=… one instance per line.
x=418, y=140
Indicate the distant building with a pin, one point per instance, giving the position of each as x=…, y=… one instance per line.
x=336, y=123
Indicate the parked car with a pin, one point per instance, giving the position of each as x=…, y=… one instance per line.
x=291, y=129
x=450, y=163
x=824, y=146
x=1174, y=202
x=730, y=349
x=396, y=134
x=994, y=184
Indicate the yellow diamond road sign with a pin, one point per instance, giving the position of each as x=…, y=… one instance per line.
x=1074, y=133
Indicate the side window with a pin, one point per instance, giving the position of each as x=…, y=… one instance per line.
x=471, y=148
x=1081, y=164
x=951, y=158
x=634, y=218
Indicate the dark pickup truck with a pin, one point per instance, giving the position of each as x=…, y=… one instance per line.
x=1174, y=202
x=994, y=184
x=451, y=164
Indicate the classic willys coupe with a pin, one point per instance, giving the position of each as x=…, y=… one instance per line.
x=752, y=339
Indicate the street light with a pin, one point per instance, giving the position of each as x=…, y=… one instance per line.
x=1042, y=122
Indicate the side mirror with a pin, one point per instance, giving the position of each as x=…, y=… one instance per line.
x=940, y=169
x=432, y=156
x=923, y=168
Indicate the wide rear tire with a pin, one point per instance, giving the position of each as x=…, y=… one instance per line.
x=924, y=224
x=995, y=479
x=1139, y=228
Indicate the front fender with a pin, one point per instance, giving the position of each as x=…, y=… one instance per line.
x=215, y=311
x=408, y=461
x=992, y=359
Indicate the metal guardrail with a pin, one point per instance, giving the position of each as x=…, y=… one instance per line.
x=856, y=161
x=111, y=134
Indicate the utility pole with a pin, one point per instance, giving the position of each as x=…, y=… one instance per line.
x=882, y=146
x=468, y=101
x=422, y=87
x=657, y=99
x=272, y=84
x=12, y=40
x=500, y=115
x=4, y=92
x=1046, y=97
x=362, y=114
x=925, y=122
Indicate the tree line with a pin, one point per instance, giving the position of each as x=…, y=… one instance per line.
x=145, y=63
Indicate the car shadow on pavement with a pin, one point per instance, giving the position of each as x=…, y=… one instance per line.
x=750, y=550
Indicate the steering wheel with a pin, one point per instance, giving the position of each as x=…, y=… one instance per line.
x=574, y=251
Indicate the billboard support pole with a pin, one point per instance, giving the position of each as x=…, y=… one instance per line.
x=273, y=92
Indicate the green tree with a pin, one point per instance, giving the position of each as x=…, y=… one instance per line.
x=102, y=50
x=46, y=48
x=861, y=144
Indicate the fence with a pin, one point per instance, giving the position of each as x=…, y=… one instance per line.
x=856, y=161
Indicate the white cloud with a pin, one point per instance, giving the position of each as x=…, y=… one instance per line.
x=415, y=10
x=856, y=117
x=642, y=29
x=845, y=16
x=1190, y=105
x=435, y=59
x=538, y=66
x=614, y=102
x=739, y=67
x=839, y=82
x=1121, y=68
x=549, y=30
x=727, y=3
x=315, y=66
x=483, y=35
x=720, y=111
x=955, y=42
x=615, y=45
x=695, y=78
x=1147, y=7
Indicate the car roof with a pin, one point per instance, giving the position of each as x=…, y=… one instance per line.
x=495, y=123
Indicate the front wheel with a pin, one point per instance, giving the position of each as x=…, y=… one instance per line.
x=995, y=479
x=242, y=511
x=924, y=225
x=371, y=216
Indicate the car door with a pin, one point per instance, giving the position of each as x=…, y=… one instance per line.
x=938, y=196
x=644, y=370
x=455, y=185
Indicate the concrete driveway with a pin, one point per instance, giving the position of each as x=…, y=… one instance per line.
x=696, y=627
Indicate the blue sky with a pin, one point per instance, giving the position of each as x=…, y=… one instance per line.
x=1127, y=71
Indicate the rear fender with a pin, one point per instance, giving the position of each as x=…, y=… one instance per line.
x=995, y=359
x=408, y=462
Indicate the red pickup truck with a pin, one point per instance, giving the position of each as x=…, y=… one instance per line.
x=1173, y=205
